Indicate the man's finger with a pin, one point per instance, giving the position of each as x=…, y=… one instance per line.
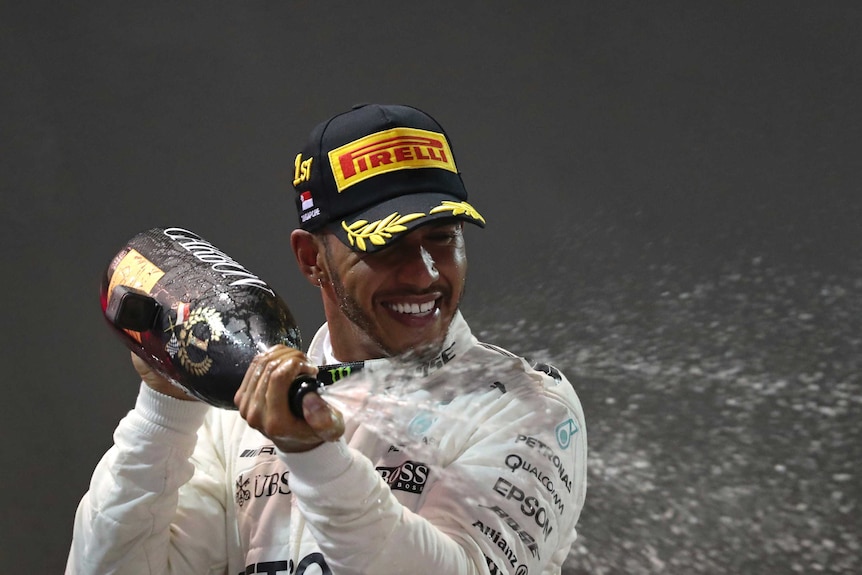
x=327, y=422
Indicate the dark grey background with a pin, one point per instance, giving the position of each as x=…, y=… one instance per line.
x=672, y=191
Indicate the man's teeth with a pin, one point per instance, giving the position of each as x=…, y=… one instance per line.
x=412, y=307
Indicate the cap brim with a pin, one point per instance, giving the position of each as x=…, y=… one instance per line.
x=377, y=227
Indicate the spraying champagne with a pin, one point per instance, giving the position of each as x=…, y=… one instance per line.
x=197, y=316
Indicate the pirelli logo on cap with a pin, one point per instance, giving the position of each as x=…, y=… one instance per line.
x=388, y=151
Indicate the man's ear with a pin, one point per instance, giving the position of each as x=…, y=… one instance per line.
x=306, y=248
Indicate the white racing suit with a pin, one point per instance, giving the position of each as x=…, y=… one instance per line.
x=189, y=490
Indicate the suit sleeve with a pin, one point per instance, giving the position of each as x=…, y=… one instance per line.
x=507, y=502
x=155, y=503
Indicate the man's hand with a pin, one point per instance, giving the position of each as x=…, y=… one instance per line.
x=157, y=382
x=262, y=402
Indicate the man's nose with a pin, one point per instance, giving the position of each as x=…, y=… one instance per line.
x=417, y=267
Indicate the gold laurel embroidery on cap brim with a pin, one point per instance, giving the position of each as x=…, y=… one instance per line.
x=458, y=209
x=377, y=232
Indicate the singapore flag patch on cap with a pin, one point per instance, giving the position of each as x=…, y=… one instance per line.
x=307, y=202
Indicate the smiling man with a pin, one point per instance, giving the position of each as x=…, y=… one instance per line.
x=393, y=301
x=368, y=178
x=500, y=481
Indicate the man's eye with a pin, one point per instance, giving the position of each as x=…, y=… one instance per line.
x=443, y=237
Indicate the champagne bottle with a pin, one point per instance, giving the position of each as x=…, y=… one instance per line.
x=197, y=316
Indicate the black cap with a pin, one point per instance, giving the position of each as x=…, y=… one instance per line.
x=376, y=172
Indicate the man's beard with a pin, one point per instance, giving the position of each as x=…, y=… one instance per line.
x=354, y=312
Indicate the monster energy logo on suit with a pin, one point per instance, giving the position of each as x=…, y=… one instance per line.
x=335, y=372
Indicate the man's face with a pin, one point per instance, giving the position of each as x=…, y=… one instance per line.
x=398, y=300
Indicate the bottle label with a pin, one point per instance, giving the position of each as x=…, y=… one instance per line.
x=135, y=271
